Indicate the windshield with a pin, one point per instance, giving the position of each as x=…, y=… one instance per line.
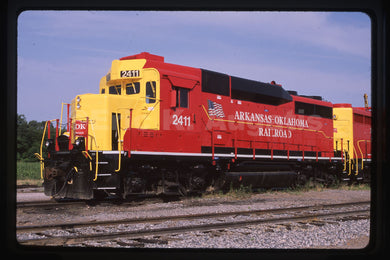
x=115, y=90
x=130, y=89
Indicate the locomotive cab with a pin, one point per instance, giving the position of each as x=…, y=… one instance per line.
x=87, y=156
x=126, y=87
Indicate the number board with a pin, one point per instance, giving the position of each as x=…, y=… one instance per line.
x=129, y=73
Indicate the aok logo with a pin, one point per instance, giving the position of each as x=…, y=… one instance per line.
x=81, y=128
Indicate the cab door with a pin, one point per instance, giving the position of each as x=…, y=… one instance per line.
x=147, y=112
x=182, y=113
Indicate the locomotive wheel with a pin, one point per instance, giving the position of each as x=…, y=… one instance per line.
x=219, y=183
x=301, y=180
x=182, y=190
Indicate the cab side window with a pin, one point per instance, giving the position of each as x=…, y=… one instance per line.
x=150, y=92
x=181, y=97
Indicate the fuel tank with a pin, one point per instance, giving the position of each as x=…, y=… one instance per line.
x=262, y=175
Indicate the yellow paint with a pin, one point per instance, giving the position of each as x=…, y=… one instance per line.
x=100, y=107
x=343, y=124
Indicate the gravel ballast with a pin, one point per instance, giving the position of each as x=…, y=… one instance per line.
x=286, y=236
x=309, y=234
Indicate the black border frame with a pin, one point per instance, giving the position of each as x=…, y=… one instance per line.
x=378, y=10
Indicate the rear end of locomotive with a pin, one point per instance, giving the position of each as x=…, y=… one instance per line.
x=82, y=158
x=352, y=140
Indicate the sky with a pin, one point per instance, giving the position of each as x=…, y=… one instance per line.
x=65, y=53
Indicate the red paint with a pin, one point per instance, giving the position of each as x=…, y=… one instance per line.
x=81, y=128
x=187, y=130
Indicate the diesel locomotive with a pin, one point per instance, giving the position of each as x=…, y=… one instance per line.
x=156, y=127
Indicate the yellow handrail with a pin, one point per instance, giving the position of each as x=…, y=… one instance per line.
x=150, y=111
x=118, y=128
x=62, y=108
x=86, y=154
x=360, y=150
x=96, y=165
x=345, y=161
x=357, y=160
x=358, y=144
x=42, y=165
x=349, y=163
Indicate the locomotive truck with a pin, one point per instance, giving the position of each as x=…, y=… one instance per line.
x=156, y=127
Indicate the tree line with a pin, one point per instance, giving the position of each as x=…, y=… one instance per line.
x=28, y=138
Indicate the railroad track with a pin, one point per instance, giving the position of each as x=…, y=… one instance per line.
x=45, y=204
x=141, y=200
x=355, y=210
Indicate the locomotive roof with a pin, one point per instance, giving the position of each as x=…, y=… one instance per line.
x=241, y=88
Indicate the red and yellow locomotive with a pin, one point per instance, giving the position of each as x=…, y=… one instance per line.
x=157, y=127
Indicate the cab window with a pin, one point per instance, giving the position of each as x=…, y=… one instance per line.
x=133, y=88
x=150, y=92
x=181, y=97
x=115, y=90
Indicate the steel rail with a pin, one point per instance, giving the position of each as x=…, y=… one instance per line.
x=42, y=204
x=68, y=240
x=25, y=228
x=187, y=228
x=74, y=202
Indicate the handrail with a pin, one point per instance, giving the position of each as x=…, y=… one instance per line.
x=358, y=145
x=67, y=116
x=96, y=165
x=118, y=128
x=345, y=161
x=150, y=111
x=130, y=132
x=62, y=108
x=357, y=160
x=42, y=165
x=360, y=150
x=349, y=162
x=92, y=122
x=86, y=154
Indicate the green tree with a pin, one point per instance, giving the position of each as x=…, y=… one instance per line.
x=28, y=138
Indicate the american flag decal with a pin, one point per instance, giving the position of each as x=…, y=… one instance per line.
x=215, y=109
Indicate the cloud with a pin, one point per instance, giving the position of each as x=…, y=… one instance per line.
x=308, y=28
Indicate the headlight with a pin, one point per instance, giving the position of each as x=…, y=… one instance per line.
x=49, y=144
x=78, y=99
x=79, y=144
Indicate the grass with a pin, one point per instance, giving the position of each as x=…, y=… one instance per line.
x=243, y=192
x=240, y=192
x=28, y=173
